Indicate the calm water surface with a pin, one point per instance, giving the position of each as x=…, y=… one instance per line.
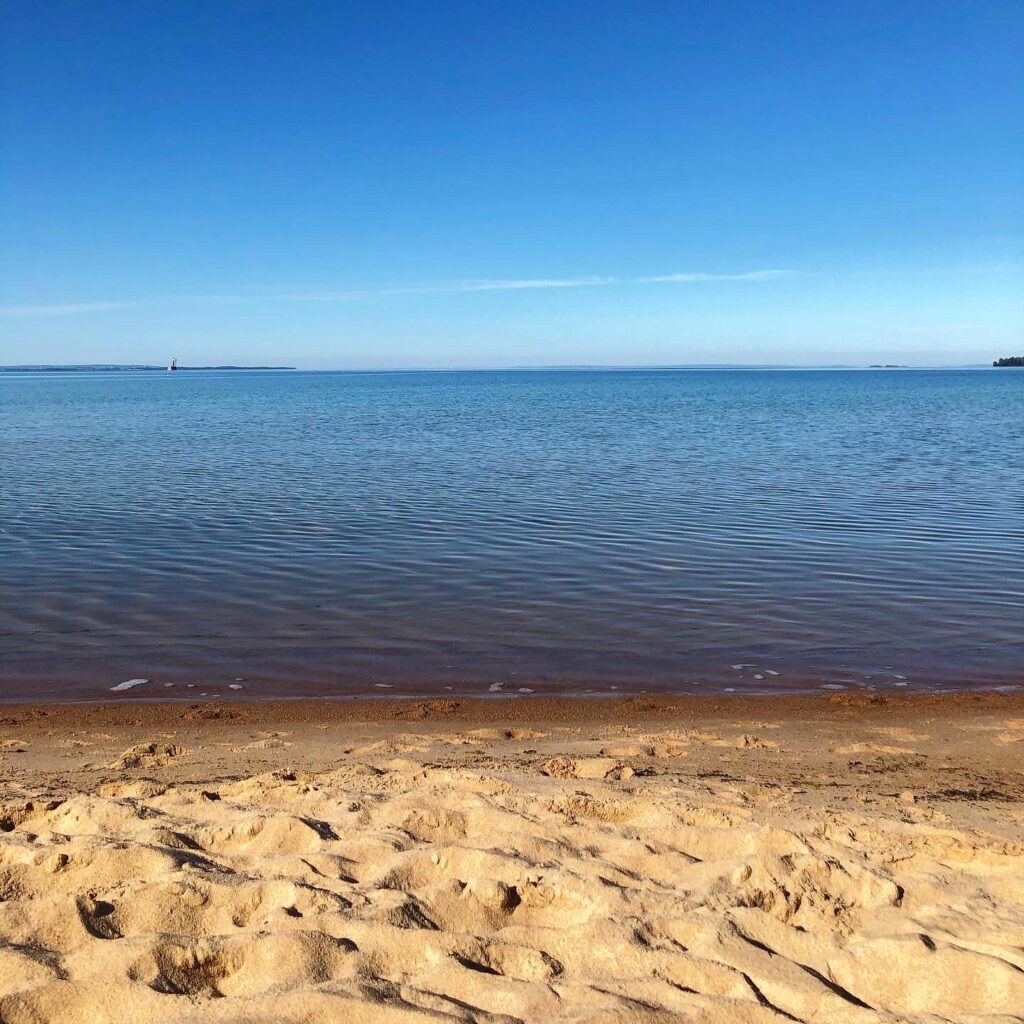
x=496, y=532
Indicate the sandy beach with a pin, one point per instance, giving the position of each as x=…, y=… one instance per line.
x=652, y=860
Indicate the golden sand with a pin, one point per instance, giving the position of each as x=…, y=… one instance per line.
x=664, y=862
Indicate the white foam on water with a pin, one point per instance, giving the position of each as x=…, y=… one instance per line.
x=129, y=684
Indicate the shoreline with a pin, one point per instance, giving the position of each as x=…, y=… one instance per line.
x=514, y=707
x=742, y=680
x=57, y=741
x=243, y=690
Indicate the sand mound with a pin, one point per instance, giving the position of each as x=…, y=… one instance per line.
x=562, y=888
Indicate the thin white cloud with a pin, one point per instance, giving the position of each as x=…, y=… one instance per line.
x=943, y=329
x=527, y=283
x=67, y=309
x=750, y=275
x=440, y=289
x=486, y=285
x=541, y=282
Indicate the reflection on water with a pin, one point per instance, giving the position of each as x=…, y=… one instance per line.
x=536, y=530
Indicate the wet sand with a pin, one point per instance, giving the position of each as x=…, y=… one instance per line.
x=661, y=858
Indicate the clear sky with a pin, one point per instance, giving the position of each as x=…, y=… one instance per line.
x=379, y=184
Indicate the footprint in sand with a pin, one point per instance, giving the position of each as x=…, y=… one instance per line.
x=872, y=748
x=670, y=749
x=626, y=750
x=148, y=755
x=585, y=768
x=747, y=742
x=1010, y=737
x=899, y=732
x=704, y=737
x=744, y=742
x=272, y=743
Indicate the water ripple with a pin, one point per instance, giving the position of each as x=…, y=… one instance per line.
x=320, y=532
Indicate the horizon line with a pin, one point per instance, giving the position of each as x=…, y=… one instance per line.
x=513, y=368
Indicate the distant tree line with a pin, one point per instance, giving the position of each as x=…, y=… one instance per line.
x=1010, y=361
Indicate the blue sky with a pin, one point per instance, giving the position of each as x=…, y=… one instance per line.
x=483, y=184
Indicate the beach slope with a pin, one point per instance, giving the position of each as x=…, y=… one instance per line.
x=650, y=860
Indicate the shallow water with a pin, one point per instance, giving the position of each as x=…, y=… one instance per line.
x=495, y=532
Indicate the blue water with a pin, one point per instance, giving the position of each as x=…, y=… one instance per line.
x=495, y=532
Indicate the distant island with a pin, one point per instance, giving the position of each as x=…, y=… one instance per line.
x=1010, y=361
x=121, y=368
x=888, y=366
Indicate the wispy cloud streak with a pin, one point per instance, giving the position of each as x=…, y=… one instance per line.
x=942, y=329
x=351, y=295
x=750, y=275
x=442, y=289
x=67, y=309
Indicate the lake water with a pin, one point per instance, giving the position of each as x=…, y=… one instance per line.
x=499, y=532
